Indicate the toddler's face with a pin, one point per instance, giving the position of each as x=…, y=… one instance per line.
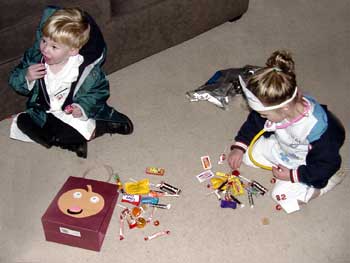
x=54, y=52
x=272, y=115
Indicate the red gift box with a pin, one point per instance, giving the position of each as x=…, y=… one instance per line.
x=80, y=213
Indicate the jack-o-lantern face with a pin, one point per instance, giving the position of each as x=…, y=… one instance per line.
x=80, y=203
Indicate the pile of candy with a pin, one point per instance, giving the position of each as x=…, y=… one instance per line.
x=233, y=185
x=228, y=187
x=142, y=199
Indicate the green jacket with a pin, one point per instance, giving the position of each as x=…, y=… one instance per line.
x=90, y=91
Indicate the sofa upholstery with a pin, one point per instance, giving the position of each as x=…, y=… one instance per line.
x=133, y=30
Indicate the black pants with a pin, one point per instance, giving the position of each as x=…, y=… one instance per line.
x=54, y=132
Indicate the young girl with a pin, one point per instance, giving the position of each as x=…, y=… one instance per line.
x=302, y=139
x=67, y=89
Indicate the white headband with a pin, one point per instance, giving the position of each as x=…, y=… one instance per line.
x=256, y=104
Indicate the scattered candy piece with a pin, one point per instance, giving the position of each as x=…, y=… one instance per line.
x=121, y=227
x=228, y=204
x=158, y=234
x=265, y=221
x=140, y=222
x=136, y=211
x=206, y=163
x=155, y=171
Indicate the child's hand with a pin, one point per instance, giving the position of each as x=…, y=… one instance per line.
x=235, y=158
x=281, y=172
x=35, y=71
x=74, y=110
x=76, y=113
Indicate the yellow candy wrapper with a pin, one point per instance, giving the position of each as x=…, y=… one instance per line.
x=216, y=182
x=222, y=174
x=137, y=188
x=237, y=187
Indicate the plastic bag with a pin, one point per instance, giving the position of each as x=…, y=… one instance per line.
x=222, y=86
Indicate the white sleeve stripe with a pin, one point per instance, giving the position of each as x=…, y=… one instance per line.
x=241, y=145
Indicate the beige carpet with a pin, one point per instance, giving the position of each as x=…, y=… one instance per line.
x=173, y=133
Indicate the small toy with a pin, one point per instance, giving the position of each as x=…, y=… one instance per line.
x=155, y=171
x=206, y=163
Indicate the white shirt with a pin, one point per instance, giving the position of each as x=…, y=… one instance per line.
x=58, y=87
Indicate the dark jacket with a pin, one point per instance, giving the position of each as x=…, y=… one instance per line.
x=323, y=158
x=90, y=91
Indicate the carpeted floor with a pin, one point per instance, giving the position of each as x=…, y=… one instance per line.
x=173, y=133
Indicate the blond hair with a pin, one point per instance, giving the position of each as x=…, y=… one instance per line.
x=276, y=82
x=67, y=26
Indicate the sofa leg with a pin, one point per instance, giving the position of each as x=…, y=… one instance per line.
x=235, y=19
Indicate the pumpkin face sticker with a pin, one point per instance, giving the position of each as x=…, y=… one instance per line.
x=80, y=203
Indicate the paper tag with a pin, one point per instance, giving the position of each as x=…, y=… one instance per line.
x=206, y=175
x=206, y=163
x=70, y=232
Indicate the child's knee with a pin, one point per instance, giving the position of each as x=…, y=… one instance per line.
x=279, y=193
x=23, y=121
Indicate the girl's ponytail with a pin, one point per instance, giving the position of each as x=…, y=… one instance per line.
x=282, y=60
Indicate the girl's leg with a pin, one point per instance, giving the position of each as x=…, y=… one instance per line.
x=336, y=179
x=290, y=195
x=285, y=193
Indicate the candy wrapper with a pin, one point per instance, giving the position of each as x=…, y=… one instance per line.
x=222, y=86
x=137, y=188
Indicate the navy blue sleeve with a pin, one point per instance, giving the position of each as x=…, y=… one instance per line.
x=324, y=159
x=250, y=128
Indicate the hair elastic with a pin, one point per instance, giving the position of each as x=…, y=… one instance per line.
x=277, y=69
